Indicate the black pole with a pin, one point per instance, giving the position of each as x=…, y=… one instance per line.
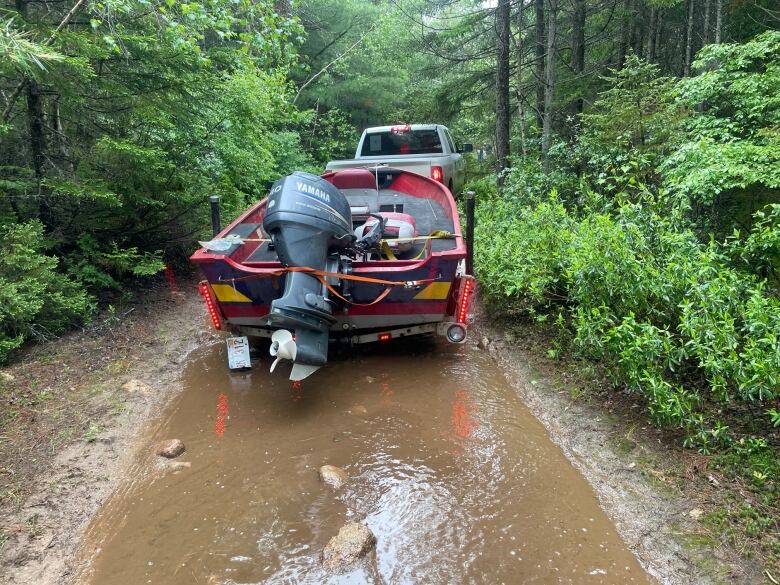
x=470, y=222
x=215, y=227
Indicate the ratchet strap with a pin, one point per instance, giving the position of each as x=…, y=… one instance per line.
x=322, y=275
x=437, y=235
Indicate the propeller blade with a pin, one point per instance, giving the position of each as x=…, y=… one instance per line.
x=283, y=347
x=278, y=339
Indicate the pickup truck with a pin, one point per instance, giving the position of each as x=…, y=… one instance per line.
x=425, y=149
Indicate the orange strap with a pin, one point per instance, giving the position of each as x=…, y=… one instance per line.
x=336, y=293
x=322, y=274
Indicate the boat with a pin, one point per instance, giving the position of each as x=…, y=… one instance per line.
x=353, y=256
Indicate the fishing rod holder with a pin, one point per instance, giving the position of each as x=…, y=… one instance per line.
x=215, y=220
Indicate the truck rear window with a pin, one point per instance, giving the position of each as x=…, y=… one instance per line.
x=392, y=143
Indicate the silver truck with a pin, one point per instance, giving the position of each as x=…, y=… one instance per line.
x=425, y=149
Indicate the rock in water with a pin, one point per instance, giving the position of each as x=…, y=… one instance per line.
x=353, y=542
x=170, y=449
x=334, y=476
x=483, y=343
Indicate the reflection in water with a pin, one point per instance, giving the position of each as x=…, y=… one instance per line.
x=463, y=411
x=503, y=505
x=295, y=390
x=222, y=414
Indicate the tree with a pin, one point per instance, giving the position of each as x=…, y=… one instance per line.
x=520, y=93
x=549, y=79
x=109, y=153
x=578, y=46
x=688, y=39
x=503, y=16
x=541, y=52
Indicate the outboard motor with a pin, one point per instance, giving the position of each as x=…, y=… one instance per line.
x=308, y=219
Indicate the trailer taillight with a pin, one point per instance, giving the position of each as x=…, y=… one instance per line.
x=437, y=174
x=211, y=305
x=468, y=284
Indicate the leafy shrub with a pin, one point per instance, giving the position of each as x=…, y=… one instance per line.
x=36, y=301
x=520, y=249
x=669, y=315
x=101, y=267
x=729, y=159
x=623, y=254
x=760, y=251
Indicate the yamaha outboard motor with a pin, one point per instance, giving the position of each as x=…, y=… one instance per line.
x=308, y=219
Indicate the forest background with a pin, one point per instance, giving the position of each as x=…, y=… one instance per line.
x=630, y=205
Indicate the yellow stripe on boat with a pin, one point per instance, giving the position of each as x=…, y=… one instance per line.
x=227, y=294
x=436, y=291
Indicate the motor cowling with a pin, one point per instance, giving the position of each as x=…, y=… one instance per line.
x=308, y=219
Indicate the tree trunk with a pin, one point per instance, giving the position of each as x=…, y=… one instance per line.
x=651, y=33
x=57, y=142
x=34, y=110
x=635, y=31
x=539, y=62
x=519, y=77
x=718, y=20
x=625, y=34
x=549, y=84
x=706, y=33
x=578, y=47
x=35, y=124
x=688, y=40
x=503, y=15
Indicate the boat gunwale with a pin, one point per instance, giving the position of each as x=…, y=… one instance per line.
x=203, y=256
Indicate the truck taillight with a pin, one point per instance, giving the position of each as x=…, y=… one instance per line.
x=467, y=289
x=437, y=174
x=211, y=304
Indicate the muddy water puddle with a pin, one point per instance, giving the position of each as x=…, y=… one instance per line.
x=457, y=480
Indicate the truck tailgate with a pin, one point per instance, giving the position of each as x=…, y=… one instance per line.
x=421, y=166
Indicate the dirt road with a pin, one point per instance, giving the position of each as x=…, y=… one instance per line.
x=457, y=479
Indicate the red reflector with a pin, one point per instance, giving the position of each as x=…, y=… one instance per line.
x=437, y=174
x=211, y=305
x=383, y=337
x=465, y=298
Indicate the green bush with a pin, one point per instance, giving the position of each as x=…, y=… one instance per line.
x=630, y=253
x=671, y=316
x=36, y=301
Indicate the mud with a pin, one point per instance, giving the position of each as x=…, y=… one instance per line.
x=40, y=536
x=653, y=491
x=445, y=464
x=447, y=468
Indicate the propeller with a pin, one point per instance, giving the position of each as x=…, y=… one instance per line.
x=283, y=347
